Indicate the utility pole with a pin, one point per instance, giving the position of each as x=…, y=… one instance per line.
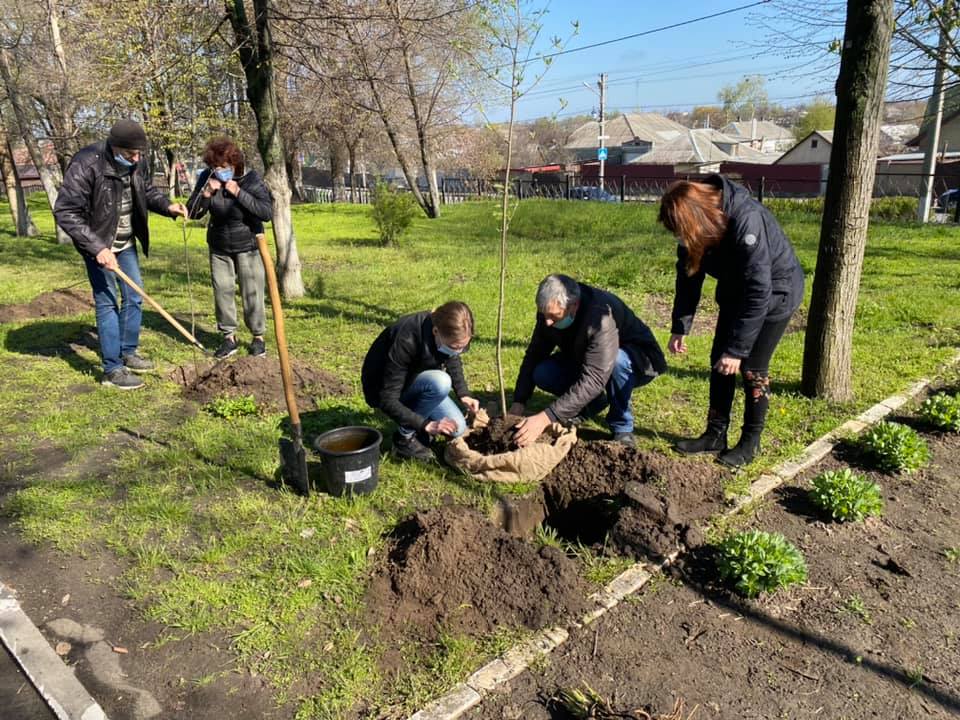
x=603, y=136
x=933, y=133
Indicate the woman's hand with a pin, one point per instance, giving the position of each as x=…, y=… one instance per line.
x=212, y=185
x=446, y=426
x=727, y=365
x=677, y=344
x=232, y=187
x=471, y=404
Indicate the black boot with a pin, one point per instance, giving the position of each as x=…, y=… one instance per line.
x=756, y=404
x=714, y=440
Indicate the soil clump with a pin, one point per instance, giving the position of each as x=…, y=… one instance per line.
x=55, y=303
x=495, y=437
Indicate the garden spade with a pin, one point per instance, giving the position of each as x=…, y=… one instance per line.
x=156, y=306
x=293, y=458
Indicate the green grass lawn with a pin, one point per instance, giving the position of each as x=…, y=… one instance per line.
x=190, y=508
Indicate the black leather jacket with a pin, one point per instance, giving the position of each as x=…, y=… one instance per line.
x=88, y=204
x=234, y=221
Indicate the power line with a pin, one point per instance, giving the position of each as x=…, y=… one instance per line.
x=632, y=36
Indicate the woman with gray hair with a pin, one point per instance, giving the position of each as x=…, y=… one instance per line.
x=603, y=352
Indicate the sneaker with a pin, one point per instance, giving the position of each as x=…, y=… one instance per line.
x=410, y=447
x=625, y=438
x=137, y=363
x=227, y=348
x=122, y=379
x=258, y=348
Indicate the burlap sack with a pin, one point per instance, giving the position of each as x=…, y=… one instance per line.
x=530, y=464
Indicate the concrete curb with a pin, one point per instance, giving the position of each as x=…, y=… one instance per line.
x=470, y=693
x=54, y=680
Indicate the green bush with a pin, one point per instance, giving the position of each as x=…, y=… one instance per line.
x=894, y=209
x=942, y=411
x=393, y=212
x=893, y=447
x=757, y=562
x=232, y=407
x=846, y=495
x=889, y=209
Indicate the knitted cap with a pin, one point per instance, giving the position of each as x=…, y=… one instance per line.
x=127, y=134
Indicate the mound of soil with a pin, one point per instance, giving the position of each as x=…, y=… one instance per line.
x=451, y=566
x=494, y=438
x=641, y=503
x=260, y=377
x=56, y=303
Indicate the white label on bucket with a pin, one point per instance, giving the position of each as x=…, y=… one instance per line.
x=355, y=476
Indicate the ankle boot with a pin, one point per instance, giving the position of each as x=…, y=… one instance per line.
x=756, y=404
x=713, y=440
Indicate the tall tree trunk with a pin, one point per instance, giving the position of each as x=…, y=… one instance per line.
x=352, y=169
x=19, y=211
x=432, y=207
x=295, y=173
x=46, y=176
x=256, y=56
x=170, y=169
x=65, y=131
x=338, y=163
x=861, y=85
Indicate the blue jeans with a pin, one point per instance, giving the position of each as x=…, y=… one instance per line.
x=429, y=395
x=118, y=323
x=557, y=373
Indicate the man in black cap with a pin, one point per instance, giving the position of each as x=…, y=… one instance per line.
x=102, y=206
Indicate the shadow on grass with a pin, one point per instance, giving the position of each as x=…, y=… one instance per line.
x=56, y=339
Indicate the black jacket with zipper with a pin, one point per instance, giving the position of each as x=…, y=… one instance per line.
x=88, y=204
x=400, y=353
x=234, y=221
x=603, y=324
x=758, y=275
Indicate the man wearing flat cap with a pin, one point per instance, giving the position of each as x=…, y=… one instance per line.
x=102, y=206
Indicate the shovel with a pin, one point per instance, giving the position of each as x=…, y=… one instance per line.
x=293, y=458
x=156, y=306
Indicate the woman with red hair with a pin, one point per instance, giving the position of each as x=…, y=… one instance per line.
x=238, y=203
x=723, y=232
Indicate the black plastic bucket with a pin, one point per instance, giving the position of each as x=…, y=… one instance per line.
x=350, y=459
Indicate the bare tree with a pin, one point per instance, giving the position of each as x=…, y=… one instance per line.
x=860, y=94
x=16, y=200
x=255, y=46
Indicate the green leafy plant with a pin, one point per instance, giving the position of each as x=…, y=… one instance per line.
x=232, y=407
x=393, y=212
x=857, y=607
x=942, y=411
x=757, y=561
x=893, y=447
x=846, y=495
x=952, y=555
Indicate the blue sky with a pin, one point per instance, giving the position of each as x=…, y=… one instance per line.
x=669, y=70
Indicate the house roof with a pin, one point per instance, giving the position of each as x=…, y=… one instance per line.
x=625, y=129
x=918, y=156
x=823, y=134
x=921, y=137
x=756, y=130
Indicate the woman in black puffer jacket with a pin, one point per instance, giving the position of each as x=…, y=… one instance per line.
x=238, y=203
x=723, y=232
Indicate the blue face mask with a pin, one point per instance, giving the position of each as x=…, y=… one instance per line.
x=224, y=174
x=122, y=161
x=447, y=350
x=564, y=323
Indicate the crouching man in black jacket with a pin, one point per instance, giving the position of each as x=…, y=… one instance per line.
x=604, y=352
x=409, y=372
x=722, y=231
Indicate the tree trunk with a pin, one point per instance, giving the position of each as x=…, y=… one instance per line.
x=861, y=85
x=295, y=173
x=338, y=163
x=19, y=211
x=170, y=168
x=61, y=118
x=256, y=57
x=46, y=176
x=432, y=207
x=352, y=169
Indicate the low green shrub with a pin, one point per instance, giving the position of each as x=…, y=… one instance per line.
x=232, y=407
x=942, y=411
x=893, y=447
x=756, y=561
x=889, y=209
x=393, y=212
x=846, y=495
x=894, y=209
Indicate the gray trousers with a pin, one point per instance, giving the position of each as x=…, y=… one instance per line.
x=225, y=271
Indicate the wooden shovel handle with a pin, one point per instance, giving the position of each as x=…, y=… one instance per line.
x=156, y=306
x=281, y=332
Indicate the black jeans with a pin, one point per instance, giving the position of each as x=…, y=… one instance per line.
x=756, y=375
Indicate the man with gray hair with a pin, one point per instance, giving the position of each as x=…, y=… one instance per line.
x=603, y=352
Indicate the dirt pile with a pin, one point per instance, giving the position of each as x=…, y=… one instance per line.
x=496, y=437
x=640, y=503
x=257, y=376
x=451, y=566
x=56, y=303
